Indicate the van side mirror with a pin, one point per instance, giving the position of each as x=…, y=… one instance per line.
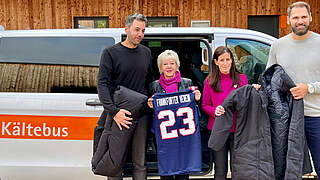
x=205, y=56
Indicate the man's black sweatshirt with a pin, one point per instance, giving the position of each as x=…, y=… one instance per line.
x=124, y=66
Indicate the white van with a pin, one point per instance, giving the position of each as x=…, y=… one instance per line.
x=48, y=99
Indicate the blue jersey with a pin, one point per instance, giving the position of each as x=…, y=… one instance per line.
x=176, y=128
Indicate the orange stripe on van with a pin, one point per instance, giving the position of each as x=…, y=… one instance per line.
x=47, y=127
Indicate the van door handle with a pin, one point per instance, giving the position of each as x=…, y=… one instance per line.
x=93, y=102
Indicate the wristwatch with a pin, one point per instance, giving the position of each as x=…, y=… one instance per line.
x=310, y=89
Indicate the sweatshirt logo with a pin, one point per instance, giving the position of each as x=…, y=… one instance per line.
x=47, y=127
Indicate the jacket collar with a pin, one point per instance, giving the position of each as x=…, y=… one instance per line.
x=276, y=75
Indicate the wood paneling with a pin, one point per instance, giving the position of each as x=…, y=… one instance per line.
x=47, y=14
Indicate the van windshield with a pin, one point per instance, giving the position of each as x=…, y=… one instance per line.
x=54, y=50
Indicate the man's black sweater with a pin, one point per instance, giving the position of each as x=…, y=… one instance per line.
x=124, y=66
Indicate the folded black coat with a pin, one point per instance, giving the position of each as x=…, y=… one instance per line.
x=111, y=146
x=269, y=140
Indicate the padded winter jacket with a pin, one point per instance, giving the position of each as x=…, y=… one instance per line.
x=111, y=143
x=269, y=139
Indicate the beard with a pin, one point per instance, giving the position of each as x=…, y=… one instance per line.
x=300, y=32
x=132, y=39
x=133, y=42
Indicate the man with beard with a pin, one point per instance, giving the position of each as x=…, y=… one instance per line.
x=127, y=63
x=298, y=54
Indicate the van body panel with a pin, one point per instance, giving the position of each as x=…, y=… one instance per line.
x=44, y=172
x=45, y=134
x=50, y=104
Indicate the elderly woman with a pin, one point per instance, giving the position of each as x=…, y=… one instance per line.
x=170, y=81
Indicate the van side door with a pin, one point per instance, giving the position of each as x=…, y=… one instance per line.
x=250, y=50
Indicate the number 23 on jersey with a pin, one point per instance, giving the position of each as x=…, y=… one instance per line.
x=171, y=117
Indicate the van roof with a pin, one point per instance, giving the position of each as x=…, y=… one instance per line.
x=59, y=32
x=149, y=31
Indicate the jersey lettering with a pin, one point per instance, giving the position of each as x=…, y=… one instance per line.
x=189, y=120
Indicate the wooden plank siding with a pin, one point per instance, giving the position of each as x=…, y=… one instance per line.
x=50, y=14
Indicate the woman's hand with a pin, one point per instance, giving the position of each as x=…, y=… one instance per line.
x=256, y=86
x=150, y=103
x=219, y=110
x=197, y=94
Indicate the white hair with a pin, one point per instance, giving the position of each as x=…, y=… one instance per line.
x=168, y=54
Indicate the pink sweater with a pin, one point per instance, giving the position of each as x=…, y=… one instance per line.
x=212, y=99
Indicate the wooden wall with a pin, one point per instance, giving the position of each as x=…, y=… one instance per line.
x=41, y=14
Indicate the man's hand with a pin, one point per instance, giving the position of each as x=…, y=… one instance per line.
x=122, y=119
x=299, y=91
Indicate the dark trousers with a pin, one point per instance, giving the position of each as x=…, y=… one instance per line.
x=138, y=151
x=220, y=159
x=312, y=130
x=176, y=177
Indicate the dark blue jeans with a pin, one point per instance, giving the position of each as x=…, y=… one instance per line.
x=312, y=129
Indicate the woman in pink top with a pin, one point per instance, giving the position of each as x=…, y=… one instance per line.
x=222, y=79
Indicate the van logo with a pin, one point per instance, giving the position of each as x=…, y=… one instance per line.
x=24, y=129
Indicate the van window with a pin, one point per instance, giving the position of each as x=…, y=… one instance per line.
x=40, y=78
x=54, y=50
x=250, y=57
x=51, y=64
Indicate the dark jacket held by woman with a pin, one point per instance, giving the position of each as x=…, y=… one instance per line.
x=269, y=140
